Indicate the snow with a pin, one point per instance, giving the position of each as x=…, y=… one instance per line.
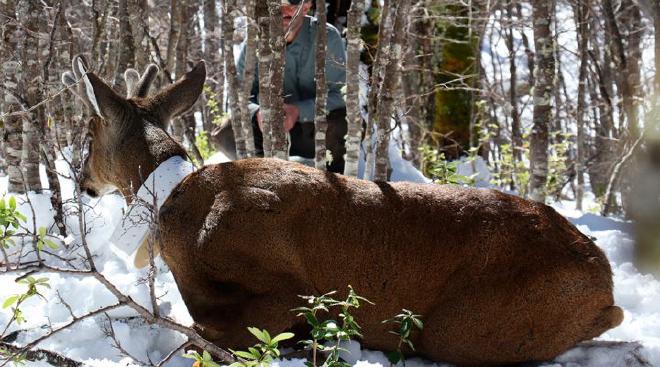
x=638, y=294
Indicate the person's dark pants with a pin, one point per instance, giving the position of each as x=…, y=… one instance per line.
x=301, y=136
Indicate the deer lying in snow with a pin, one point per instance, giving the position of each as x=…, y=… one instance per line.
x=498, y=279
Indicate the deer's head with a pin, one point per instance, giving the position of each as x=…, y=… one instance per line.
x=126, y=137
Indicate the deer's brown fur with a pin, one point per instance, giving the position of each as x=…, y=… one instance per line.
x=498, y=279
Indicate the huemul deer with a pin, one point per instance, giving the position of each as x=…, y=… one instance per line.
x=498, y=279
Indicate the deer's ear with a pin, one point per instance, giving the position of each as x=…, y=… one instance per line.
x=103, y=100
x=132, y=77
x=142, y=87
x=180, y=96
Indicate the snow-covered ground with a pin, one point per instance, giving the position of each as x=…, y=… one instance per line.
x=637, y=294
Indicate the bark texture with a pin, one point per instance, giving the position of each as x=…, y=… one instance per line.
x=544, y=74
x=353, y=115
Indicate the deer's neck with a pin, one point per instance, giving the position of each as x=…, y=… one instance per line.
x=153, y=149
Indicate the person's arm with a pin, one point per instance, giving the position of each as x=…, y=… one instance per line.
x=335, y=74
x=253, y=105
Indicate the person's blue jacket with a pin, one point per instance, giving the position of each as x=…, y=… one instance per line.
x=299, y=81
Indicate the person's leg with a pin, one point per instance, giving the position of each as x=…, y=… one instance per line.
x=335, y=139
x=303, y=144
x=302, y=140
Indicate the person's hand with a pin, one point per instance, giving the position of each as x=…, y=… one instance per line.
x=292, y=113
x=260, y=121
x=291, y=116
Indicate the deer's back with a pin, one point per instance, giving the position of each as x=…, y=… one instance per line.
x=302, y=217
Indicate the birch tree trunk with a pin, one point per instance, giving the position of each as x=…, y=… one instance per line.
x=265, y=60
x=656, y=23
x=185, y=125
x=126, y=46
x=320, y=120
x=139, y=21
x=544, y=74
x=382, y=53
x=235, y=103
x=32, y=87
x=279, y=136
x=173, y=37
x=411, y=86
x=353, y=115
x=516, y=130
x=387, y=90
x=248, y=76
x=13, y=126
x=582, y=9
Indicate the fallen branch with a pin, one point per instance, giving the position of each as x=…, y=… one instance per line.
x=38, y=355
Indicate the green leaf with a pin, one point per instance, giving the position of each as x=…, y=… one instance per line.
x=394, y=357
x=283, y=336
x=21, y=217
x=311, y=319
x=41, y=231
x=244, y=355
x=257, y=333
x=10, y=301
x=52, y=245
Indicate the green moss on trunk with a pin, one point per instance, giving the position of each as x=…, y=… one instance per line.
x=456, y=71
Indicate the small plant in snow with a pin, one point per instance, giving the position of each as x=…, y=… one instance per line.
x=204, y=360
x=10, y=219
x=33, y=285
x=442, y=171
x=328, y=335
x=263, y=353
x=407, y=321
x=17, y=360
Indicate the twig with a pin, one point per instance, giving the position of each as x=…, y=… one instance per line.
x=110, y=332
x=173, y=353
x=34, y=343
x=52, y=358
x=609, y=194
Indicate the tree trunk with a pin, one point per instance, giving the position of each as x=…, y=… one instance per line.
x=139, y=21
x=581, y=19
x=12, y=37
x=126, y=45
x=516, y=129
x=185, y=125
x=353, y=115
x=32, y=87
x=265, y=60
x=456, y=75
x=320, y=120
x=212, y=54
x=387, y=90
x=279, y=136
x=173, y=34
x=384, y=36
x=411, y=86
x=544, y=74
x=235, y=102
x=248, y=77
